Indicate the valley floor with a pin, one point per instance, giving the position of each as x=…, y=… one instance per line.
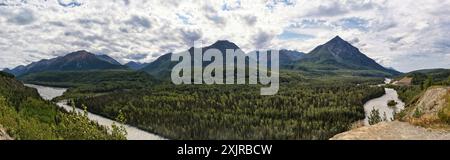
x=393, y=131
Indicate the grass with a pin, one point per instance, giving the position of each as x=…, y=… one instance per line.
x=444, y=113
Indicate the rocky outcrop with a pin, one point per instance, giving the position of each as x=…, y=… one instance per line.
x=405, y=81
x=393, y=131
x=425, y=111
x=4, y=135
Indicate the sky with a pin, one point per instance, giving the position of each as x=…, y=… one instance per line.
x=404, y=34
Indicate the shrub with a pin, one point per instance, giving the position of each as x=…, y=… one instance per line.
x=444, y=113
x=417, y=113
x=375, y=117
x=392, y=103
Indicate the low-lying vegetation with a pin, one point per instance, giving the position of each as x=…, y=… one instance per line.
x=444, y=113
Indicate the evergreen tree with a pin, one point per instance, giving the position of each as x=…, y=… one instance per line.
x=428, y=82
x=374, y=117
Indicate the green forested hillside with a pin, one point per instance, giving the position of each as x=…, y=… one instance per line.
x=421, y=80
x=26, y=116
x=92, y=81
x=75, y=61
x=435, y=76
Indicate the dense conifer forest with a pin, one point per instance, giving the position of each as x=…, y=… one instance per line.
x=313, y=108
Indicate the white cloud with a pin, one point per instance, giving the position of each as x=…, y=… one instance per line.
x=395, y=33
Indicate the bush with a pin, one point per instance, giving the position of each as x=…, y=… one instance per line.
x=444, y=113
x=392, y=103
x=417, y=113
x=375, y=117
x=4, y=74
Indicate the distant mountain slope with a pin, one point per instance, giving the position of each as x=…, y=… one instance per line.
x=135, y=65
x=433, y=71
x=80, y=60
x=162, y=66
x=336, y=55
x=95, y=78
x=107, y=58
x=19, y=70
x=339, y=54
x=438, y=76
x=285, y=57
x=289, y=56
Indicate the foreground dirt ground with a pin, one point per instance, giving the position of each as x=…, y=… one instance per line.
x=393, y=131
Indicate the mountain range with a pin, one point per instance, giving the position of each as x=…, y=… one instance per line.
x=75, y=61
x=340, y=54
x=162, y=66
x=135, y=65
x=336, y=54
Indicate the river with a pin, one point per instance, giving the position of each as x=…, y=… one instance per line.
x=133, y=133
x=380, y=103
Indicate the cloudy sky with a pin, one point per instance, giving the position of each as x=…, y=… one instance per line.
x=406, y=34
